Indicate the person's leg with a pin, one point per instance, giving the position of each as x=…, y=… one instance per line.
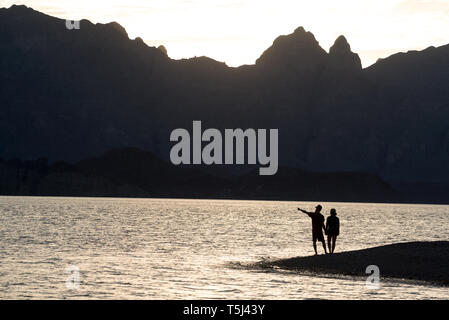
x=334, y=240
x=324, y=245
x=314, y=246
x=329, y=242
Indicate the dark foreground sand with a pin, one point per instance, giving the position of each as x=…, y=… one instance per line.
x=427, y=261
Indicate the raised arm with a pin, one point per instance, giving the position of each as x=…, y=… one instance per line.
x=306, y=212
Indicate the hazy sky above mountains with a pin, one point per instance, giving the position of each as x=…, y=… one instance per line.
x=237, y=32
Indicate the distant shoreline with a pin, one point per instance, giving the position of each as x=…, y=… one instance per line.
x=423, y=261
x=224, y=198
x=218, y=199
x=135, y=173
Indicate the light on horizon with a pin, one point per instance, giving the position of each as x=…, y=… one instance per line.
x=237, y=32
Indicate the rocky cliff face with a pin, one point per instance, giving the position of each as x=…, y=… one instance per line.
x=69, y=94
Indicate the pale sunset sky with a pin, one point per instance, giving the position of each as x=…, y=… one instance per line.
x=237, y=32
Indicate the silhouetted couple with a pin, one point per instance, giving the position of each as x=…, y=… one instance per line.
x=331, y=229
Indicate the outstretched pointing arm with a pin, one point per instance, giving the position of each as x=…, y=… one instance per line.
x=304, y=211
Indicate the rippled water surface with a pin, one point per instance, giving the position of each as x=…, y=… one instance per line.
x=194, y=249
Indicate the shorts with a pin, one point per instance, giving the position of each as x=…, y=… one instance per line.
x=317, y=235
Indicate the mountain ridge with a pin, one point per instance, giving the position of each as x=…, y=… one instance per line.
x=113, y=25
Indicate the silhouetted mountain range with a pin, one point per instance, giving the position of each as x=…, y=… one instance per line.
x=70, y=94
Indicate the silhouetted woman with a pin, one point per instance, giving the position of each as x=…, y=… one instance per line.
x=332, y=230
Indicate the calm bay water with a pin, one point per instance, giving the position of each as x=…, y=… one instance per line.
x=194, y=249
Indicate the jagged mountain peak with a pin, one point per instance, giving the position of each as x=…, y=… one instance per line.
x=300, y=32
x=297, y=48
x=342, y=56
x=19, y=8
x=340, y=45
x=116, y=27
x=299, y=37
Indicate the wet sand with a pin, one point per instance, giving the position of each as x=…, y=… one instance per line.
x=425, y=261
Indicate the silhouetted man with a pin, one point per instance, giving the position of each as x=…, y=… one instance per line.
x=317, y=226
